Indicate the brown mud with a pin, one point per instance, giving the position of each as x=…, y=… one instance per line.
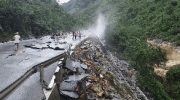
x=172, y=55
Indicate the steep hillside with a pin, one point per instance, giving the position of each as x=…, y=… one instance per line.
x=74, y=6
x=137, y=21
x=31, y=17
x=87, y=11
x=130, y=24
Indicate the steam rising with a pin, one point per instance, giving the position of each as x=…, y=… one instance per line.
x=99, y=28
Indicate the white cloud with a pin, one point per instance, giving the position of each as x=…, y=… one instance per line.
x=62, y=1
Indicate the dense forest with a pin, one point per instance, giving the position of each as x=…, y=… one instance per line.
x=33, y=17
x=131, y=23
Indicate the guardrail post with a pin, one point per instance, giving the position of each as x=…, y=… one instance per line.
x=69, y=50
x=41, y=73
x=60, y=75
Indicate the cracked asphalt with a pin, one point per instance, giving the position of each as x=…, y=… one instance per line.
x=14, y=64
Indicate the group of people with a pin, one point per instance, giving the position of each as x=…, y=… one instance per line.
x=17, y=38
x=76, y=34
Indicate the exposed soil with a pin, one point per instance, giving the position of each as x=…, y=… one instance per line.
x=173, y=57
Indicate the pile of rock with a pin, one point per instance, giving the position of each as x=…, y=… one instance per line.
x=99, y=83
x=102, y=77
x=102, y=67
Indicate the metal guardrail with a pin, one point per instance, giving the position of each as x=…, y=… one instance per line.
x=40, y=67
x=37, y=68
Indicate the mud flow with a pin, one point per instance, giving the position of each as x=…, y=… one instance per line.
x=173, y=56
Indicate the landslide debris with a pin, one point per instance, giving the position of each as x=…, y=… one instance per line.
x=110, y=78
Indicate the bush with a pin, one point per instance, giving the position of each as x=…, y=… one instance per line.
x=149, y=83
x=177, y=43
x=152, y=9
x=173, y=82
x=174, y=3
x=173, y=75
x=33, y=16
x=157, y=1
x=175, y=91
x=170, y=10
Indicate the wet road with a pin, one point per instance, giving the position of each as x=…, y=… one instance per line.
x=13, y=64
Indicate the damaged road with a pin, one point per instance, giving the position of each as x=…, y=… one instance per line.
x=15, y=64
x=89, y=72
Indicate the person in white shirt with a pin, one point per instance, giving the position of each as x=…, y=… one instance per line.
x=17, y=40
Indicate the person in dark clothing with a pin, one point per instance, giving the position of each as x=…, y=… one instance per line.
x=73, y=34
x=79, y=34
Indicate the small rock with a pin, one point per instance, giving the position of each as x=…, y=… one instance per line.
x=89, y=85
x=107, y=95
x=96, y=88
x=57, y=48
x=29, y=45
x=100, y=94
x=84, y=47
x=91, y=96
x=48, y=42
x=101, y=76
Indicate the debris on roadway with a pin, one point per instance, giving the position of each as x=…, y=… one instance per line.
x=93, y=73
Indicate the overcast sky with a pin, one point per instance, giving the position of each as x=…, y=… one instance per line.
x=62, y=1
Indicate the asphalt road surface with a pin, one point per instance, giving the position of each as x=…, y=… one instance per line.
x=13, y=64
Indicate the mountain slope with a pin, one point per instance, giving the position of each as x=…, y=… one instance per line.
x=31, y=17
x=77, y=5
x=130, y=24
x=87, y=11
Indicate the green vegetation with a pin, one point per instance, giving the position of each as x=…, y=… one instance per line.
x=87, y=11
x=173, y=75
x=137, y=21
x=173, y=82
x=131, y=22
x=33, y=17
x=74, y=6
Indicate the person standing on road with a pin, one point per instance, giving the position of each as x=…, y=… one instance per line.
x=56, y=38
x=80, y=35
x=17, y=40
x=73, y=34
